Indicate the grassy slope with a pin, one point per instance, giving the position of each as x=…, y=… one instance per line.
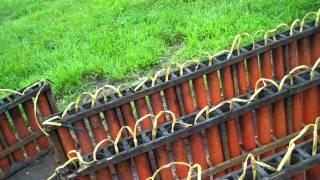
x=73, y=42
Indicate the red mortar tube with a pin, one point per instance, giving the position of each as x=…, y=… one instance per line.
x=278, y=108
x=213, y=133
x=296, y=99
x=195, y=140
x=253, y=72
x=141, y=161
x=157, y=106
x=123, y=168
x=310, y=103
x=22, y=130
x=83, y=140
x=314, y=106
x=4, y=162
x=161, y=155
x=232, y=135
x=99, y=135
x=10, y=137
x=201, y=100
x=297, y=106
x=263, y=113
x=178, y=147
x=28, y=107
x=67, y=142
x=246, y=120
x=315, y=55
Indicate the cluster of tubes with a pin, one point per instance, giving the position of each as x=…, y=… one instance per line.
x=207, y=110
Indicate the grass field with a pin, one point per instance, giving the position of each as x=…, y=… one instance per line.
x=75, y=43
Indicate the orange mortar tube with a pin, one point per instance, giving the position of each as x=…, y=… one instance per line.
x=195, y=140
x=141, y=161
x=10, y=137
x=310, y=103
x=83, y=140
x=157, y=106
x=161, y=155
x=232, y=135
x=99, y=135
x=123, y=168
x=297, y=114
x=315, y=55
x=4, y=162
x=178, y=147
x=67, y=142
x=297, y=99
x=246, y=120
x=314, y=172
x=28, y=107
x=22, y=130
x=263, y=113
x=278, y=108
x=213, y=133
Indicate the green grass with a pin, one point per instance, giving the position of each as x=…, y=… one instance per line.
x=77, y=42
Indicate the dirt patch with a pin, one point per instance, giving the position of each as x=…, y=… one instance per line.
x=39, y=169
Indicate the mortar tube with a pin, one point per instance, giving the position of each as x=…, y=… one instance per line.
x=195, y=140
x=278, y=108
x=297, y=99
x=178, y=147
x=10, y=137
x=63, y=133
x=99, y=135
x=231, y=124
x=42, y=140
x=263, y=113
x=246, y=120
x=22, y=130
x=141, y=161
x=4, y=162
x=314, y=41
x=123, y=167
x=161, y=155
x=213, y=133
